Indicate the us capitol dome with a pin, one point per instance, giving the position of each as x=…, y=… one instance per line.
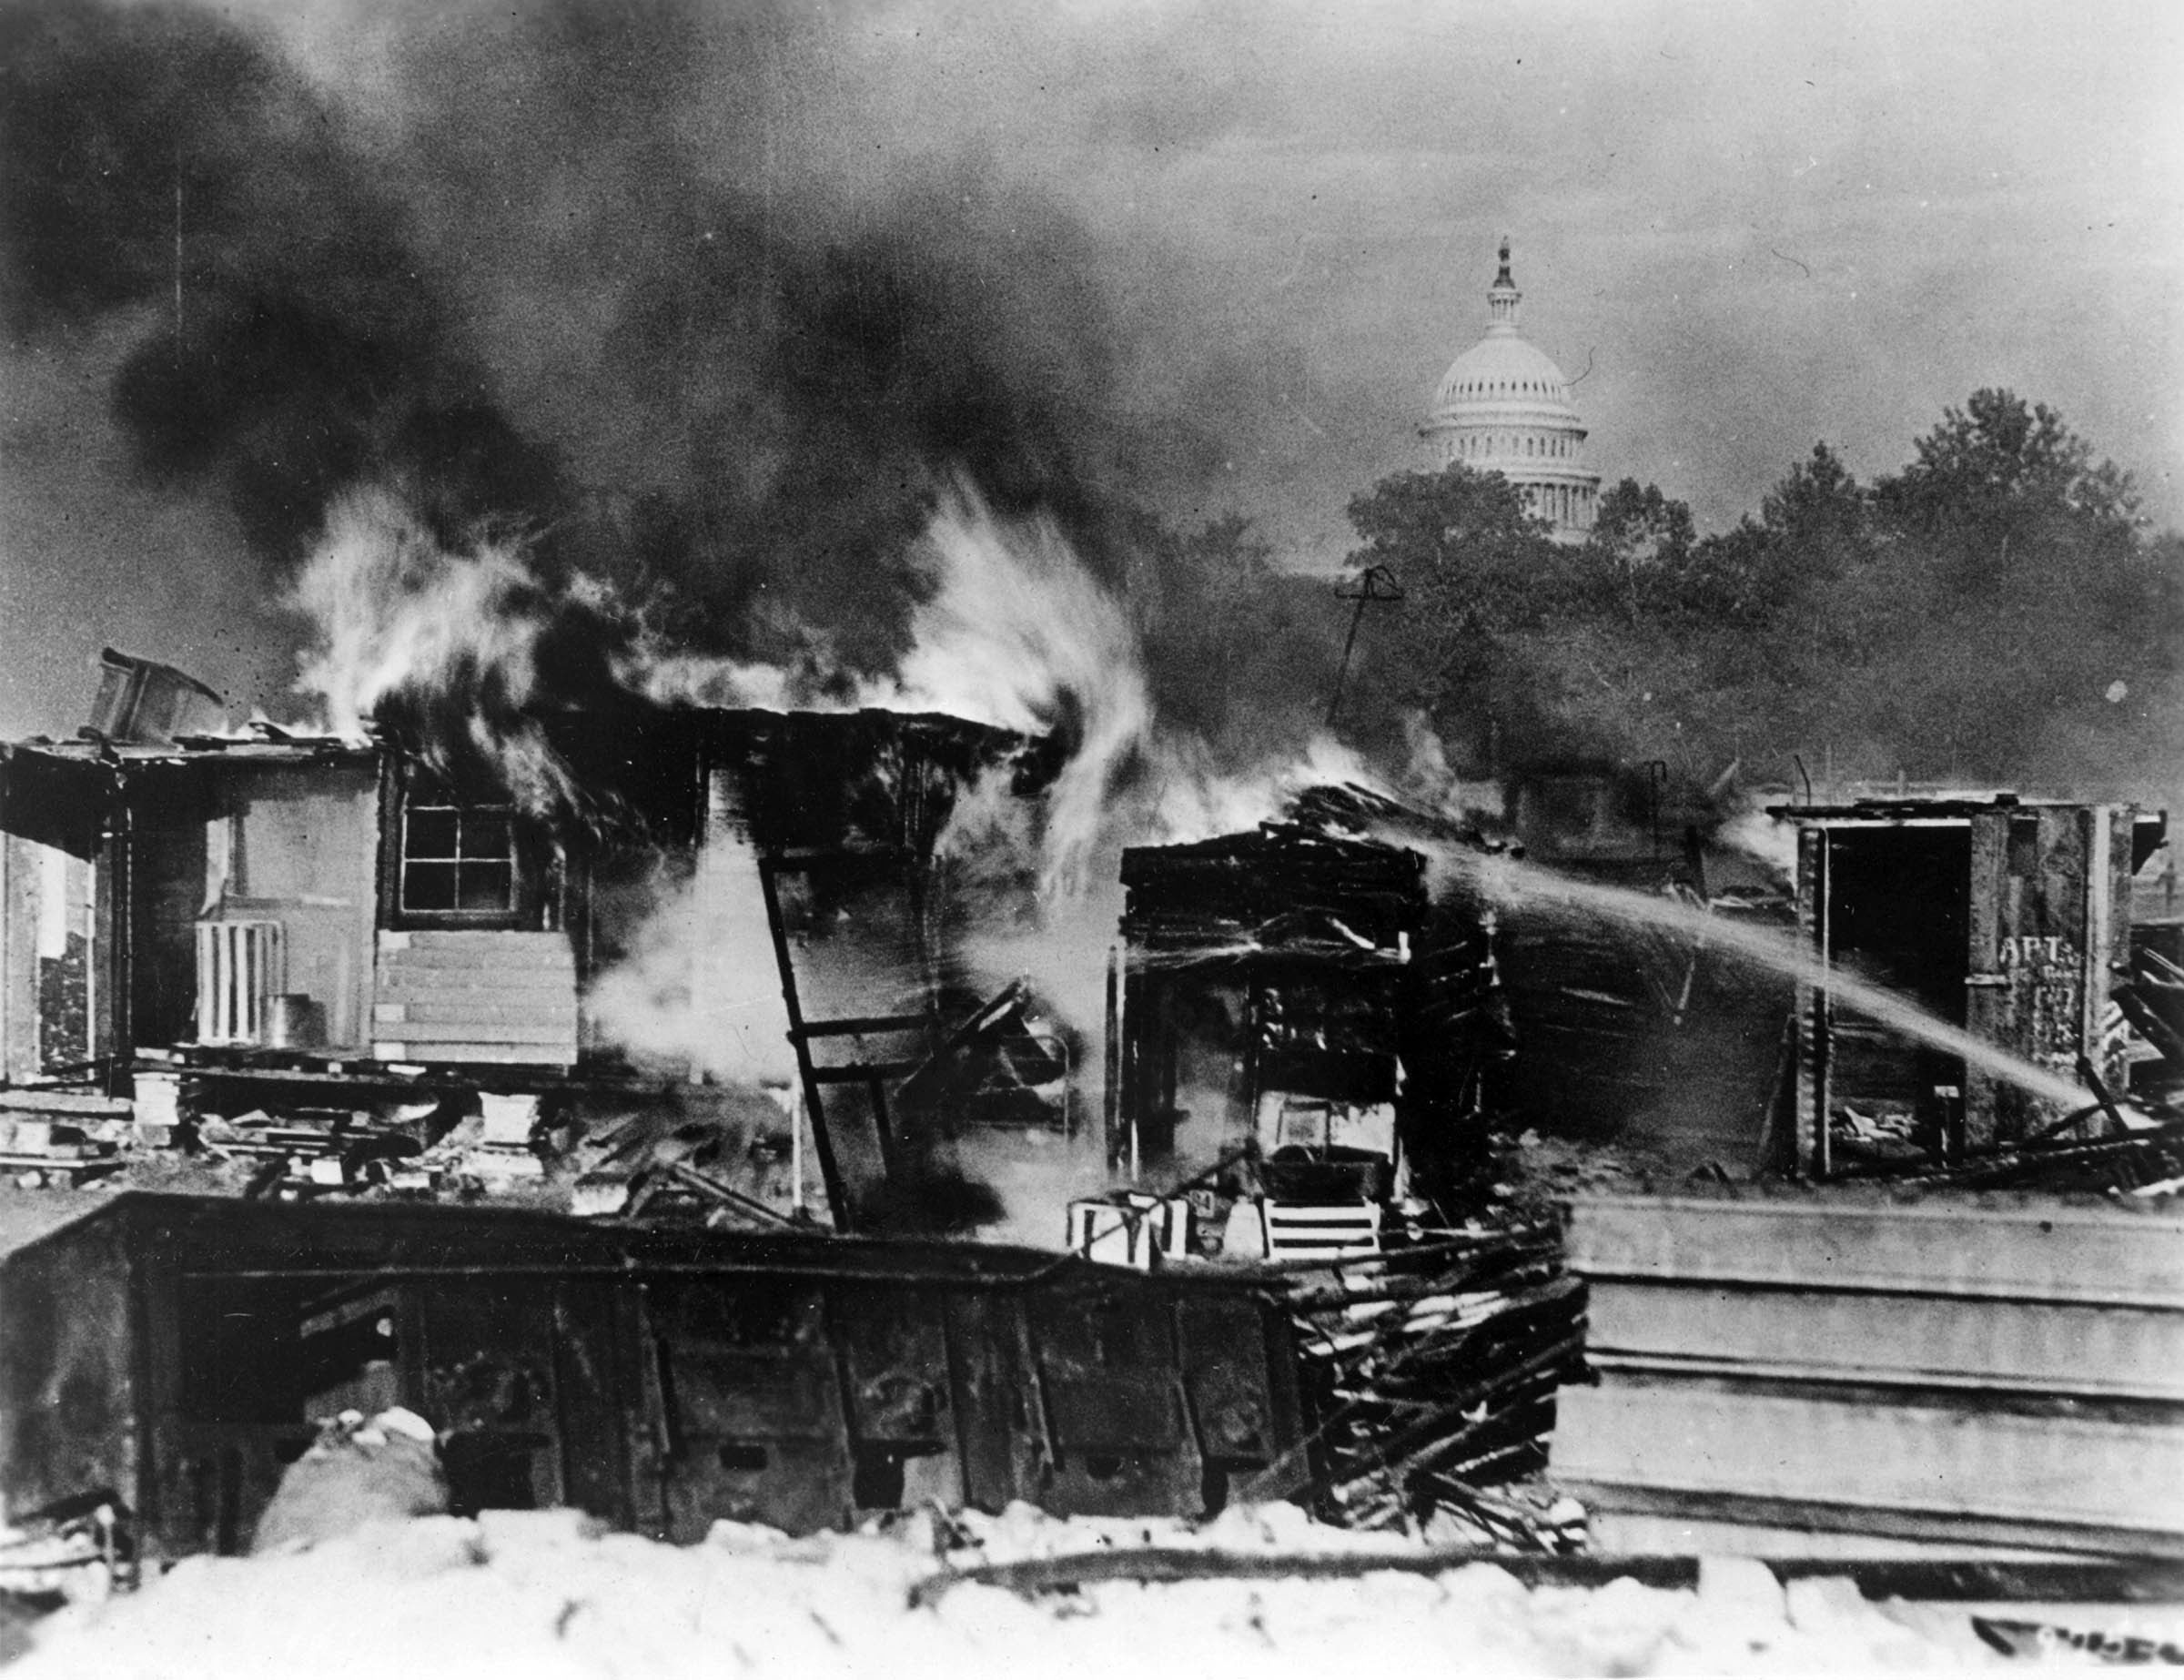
x=1505, y=407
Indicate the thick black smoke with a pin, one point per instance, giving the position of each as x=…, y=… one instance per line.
x=560, y=280
x=290, y=347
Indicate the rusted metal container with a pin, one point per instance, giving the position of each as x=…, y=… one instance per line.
x=169, y=1355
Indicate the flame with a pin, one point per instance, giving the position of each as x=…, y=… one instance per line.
x=394, y=612
x=1195, y=799
x=1015, y=633
x=1018, y=634
x=669, y=675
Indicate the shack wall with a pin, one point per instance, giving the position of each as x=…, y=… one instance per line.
x=305, y=852
x=2050, y=903
x=69, y=1413
x=49, y=958
x=2006, y=920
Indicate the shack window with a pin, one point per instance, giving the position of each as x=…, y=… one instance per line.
x=460, y=855
x=458, y=860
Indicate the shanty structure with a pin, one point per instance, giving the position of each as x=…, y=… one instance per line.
x=1307, y=1033
x=327, y=922
x=1293, y=995
x=168, y=1355
x=2009, y=918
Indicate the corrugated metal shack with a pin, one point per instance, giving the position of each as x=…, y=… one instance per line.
x=168, y=1355
x=1907, y=1363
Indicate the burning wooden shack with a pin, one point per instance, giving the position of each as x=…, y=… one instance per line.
x=1303, y=1040
x=360, y=941
x=1299, y=1017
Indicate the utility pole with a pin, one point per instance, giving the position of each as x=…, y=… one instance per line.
x=178, y=257
x=1374, y=583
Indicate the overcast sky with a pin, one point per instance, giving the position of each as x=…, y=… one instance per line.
x=1748, y=228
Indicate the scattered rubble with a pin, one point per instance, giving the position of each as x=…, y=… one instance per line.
x=1431, y=1371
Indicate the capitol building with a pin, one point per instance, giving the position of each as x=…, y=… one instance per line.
x=1505, y=407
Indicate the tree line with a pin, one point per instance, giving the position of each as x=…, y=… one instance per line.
x=1997, y=611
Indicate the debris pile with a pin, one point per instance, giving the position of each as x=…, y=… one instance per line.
x=1432, y=1370
x=542, y=1593
x=1008, y=1064
x=1295, y=998
x=62, y=1138
x=2143, y=1163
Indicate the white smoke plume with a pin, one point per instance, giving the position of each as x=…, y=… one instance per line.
x=697, y=991
x=1428, y=776
x=1766, y=839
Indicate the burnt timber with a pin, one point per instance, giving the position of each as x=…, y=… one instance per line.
x=1295, y=994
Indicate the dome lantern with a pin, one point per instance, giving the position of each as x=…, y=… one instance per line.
x=1502, y=298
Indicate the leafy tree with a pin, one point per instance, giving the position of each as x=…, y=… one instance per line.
x=2024, y=594
x=1453, y=524
x=1995, y=612
x=1236, y=652
x=1637, y=527
x=1477, y=567
x=1817, y=501
x=1996, y=468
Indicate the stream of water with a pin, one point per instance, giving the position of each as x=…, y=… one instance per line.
x=1513, y=883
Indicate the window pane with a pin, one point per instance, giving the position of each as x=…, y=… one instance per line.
x=485, y=835
x=431, y=832
x=484, y=886
x=429, y=886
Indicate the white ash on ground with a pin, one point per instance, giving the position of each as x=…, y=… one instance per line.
x=546, y=1595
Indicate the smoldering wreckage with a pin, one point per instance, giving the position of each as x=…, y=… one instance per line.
x=1530, y=1186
